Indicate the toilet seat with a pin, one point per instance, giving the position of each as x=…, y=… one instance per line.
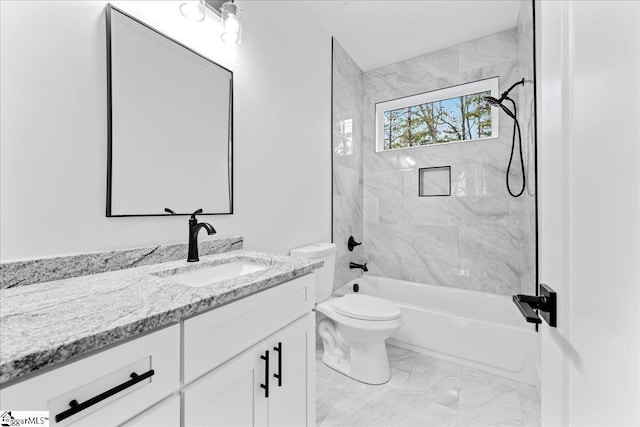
x=326, y=308
x=365, y=307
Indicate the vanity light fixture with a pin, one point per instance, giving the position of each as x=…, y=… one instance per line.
x=232, y=19
x=228, y=11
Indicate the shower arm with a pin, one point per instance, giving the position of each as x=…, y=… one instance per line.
x=505, y=94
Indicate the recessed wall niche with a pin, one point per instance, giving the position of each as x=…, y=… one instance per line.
x=434, y=181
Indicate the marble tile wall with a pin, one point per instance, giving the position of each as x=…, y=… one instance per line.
x=479, y=238
x=347, y=162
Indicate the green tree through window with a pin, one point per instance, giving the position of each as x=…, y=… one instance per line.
x=460, y=118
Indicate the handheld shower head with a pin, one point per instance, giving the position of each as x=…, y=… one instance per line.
x=516, y=128
x=498, y=103
x=505, y=95
x=492, y=101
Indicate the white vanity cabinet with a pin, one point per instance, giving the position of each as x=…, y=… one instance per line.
x=292, y=399
x=230, y=395
x=110, y=370
x=271, y=384
x=212, y=338
x=213, y=369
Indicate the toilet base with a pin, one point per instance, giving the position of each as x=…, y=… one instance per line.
x=367, y=366
x=363, y=360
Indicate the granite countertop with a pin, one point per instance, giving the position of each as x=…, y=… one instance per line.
x=47, y=323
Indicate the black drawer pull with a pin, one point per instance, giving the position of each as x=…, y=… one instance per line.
x=265, y=386
x=279, y=374
x=76, y=407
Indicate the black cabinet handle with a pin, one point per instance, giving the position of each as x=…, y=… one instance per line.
x=77, y=407
x=265, y=386
x=279, y=374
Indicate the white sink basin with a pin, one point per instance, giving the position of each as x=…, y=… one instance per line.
x=216, y=273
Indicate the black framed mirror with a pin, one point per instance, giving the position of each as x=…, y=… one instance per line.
x=170, y=125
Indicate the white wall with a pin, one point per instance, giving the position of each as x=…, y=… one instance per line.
x=589, y=199
x=553, y=196
x=604, y=206
x=53, y=127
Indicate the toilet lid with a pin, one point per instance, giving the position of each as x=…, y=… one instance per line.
x=366, y=307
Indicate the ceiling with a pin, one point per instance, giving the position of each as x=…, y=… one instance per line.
x=381, y=32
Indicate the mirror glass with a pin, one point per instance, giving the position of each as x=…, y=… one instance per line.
x=170, y=124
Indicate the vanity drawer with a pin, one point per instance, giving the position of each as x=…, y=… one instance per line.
x=214, y=337
x=154, y=357
x=164, y=414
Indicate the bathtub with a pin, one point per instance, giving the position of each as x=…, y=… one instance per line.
x=476, y=329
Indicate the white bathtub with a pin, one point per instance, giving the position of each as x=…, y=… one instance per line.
x=480, y=330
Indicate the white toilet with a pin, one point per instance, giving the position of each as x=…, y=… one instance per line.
x=356, y=326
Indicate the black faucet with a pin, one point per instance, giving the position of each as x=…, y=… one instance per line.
x=353, y=265
x=194, y=228
x=351, y=243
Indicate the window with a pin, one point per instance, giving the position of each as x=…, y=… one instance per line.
x=454, y=114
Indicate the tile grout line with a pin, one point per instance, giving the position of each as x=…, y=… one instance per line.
x=402, y=390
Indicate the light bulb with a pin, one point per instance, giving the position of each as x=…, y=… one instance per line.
x=193, y=10
x=231, y=25
x=231, y=17
x=230, y=38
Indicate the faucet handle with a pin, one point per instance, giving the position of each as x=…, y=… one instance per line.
x=170, y=211
x=352, y=243
x=193, y=215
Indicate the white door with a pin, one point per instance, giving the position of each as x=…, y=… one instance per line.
x=292, y=399
x=588, y=69
x=230, y=395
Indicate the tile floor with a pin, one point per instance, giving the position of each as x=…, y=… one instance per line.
x=424, y=391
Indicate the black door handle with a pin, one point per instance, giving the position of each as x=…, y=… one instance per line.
x=524, y=304
x=545, y=303
x=77, y=407
x=265, y=386
x=279, y=374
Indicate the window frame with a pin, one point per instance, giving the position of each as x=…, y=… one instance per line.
x=490, y=84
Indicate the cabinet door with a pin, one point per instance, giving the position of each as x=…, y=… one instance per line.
x=230, y=395
x=292, y=396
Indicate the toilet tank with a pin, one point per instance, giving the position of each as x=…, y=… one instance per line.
x=324, y=275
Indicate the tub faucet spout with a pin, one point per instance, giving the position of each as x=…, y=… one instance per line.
x=353, y=265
